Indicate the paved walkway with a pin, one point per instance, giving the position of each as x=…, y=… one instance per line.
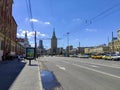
x=19, y=75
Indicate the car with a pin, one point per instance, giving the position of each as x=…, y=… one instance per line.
x=21, y=57
x=96, y=56
x=111, y=57
x=107, y=57
x=115, y=57
x=83, y=56
x=73, y=55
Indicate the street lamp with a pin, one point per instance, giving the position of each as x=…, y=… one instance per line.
x=68, y=42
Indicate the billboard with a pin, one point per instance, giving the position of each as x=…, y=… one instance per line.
x=30, y=53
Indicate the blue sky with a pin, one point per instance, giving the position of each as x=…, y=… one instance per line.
x=89, y=22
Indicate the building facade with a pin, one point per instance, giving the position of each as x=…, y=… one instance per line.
x=40, y=49
x=40, y=44
x=8, y=31
x=96, y=49
x=114, y=45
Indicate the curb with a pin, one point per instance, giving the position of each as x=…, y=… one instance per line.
x=39, y=76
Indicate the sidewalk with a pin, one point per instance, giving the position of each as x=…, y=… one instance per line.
x=20, y=75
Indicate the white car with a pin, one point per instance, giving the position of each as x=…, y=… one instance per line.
x=115, y=57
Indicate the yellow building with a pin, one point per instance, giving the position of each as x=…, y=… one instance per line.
x=114, y=45
x=96, y=49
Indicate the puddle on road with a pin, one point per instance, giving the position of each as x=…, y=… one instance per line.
x=49, y=80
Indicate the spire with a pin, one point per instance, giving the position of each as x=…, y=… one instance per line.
x=53, y=32
x=25, y=34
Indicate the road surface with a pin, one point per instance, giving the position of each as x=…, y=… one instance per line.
x=84, y=74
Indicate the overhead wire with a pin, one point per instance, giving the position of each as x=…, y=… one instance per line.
x=107, y=12
x=29, y=9
x=104, y=13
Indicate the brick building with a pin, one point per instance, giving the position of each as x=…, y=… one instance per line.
x=8, y=29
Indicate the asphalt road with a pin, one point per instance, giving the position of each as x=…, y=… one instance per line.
x=84, y=74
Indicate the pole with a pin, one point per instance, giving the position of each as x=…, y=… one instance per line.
x=79, y=47
x=35, y=46
x=112, y=44
x=108, y=45
x=68, y=42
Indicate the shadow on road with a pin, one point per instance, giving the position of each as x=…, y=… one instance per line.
x=9, y=70
x=49, y=81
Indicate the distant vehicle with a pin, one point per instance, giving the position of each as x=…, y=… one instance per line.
x=107, y=57
x=21, y=57
x=111, y=57
x=83, y=56
x=73, y=55
x=96, y=56
x=115, y=57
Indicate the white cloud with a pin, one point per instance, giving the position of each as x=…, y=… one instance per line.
x=21, y=33
x=34, y=20
x=76, y=20
x=47, y=23
x=41, y=34
x=18, y=35
x=30, y=34
x=91, y=30
x=38, y=21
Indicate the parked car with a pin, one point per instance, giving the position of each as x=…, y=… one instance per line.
x=83, y=56
x=20, y=57
x=115, y=57
x=96, y=56
x=74, y=55
x=107, y=57
x=111, y=57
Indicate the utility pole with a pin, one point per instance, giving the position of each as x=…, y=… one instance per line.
x=79, y=47
x=108, y=46
x=35, y=45
x=68, y=42
x=112, y=43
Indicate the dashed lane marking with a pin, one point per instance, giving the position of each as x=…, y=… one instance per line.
x=60, y=67
x=108, y=74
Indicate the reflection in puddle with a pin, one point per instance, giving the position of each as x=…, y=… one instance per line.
x=49, y=80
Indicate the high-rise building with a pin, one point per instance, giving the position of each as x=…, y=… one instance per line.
x=40, y=44
x=53, y=43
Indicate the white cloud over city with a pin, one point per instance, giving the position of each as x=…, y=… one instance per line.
x=91, y=30
x=30, y=34
x=34, y=20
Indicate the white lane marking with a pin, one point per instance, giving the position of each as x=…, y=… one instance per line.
x=94, y=66
x=63, y=68
x=108, y=74
x=112, y=66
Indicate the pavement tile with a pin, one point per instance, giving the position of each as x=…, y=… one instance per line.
x=19, y=75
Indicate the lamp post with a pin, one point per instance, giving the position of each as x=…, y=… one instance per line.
x=35, y=46
x=68, y=42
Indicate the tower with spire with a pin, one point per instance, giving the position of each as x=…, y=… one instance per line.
x=53, y=43
x=26, y=42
